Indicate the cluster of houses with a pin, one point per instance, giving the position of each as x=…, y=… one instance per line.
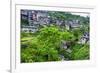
x=36, y=18
x=85, y=38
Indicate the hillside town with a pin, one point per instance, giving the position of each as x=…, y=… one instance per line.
x=34, y=19
x=53, y=36
x=40, y=18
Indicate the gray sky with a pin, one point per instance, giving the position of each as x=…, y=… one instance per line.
x=82, y=14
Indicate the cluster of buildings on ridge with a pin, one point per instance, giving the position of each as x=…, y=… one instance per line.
x=40, y=18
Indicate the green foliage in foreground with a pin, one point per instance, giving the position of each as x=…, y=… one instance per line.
x=80, y=52
x=46, y=45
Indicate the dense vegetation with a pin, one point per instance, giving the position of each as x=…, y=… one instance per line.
x=47, y=45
